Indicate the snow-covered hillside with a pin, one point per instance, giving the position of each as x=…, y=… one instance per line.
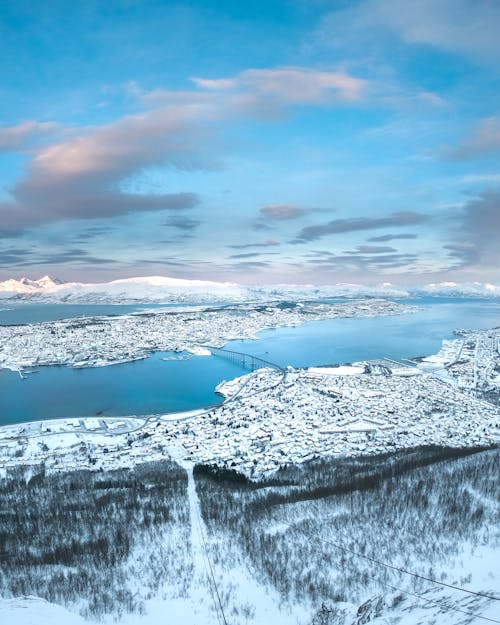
x=26, y=286
x=164, y=289
x=405, y=539
x=463, y=289
x=149, y=289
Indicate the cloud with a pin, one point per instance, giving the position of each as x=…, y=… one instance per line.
x=14, y=256
x=391, y=237
x=53, y=204
x=282, y=211
x=271, y=214
x=79, y=178
x=182, y=223
x=339, y=226
x=464, y=253
x=356, y=261
x=373, y=249
x=215, y=83
x=22, y=257
x=245, y=265
x=483, y=140
x=244, y=246
x=263, y=93
x=482, y=216
x=245, y=255
x=82, y=176
x=468, y=27
x=92, y=233
x=465, y=27
x=75, y=255
x=475, y=245
x=286, y=86
x=481, y=225
x=15, y=137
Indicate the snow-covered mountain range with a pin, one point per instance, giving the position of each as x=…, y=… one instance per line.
x=163, y=289
x=149, y=289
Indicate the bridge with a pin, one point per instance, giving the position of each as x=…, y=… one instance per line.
x=245, y=360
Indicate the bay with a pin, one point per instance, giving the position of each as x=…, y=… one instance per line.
x=23, y=313
x=338, y=341
x=142, y=387
x=153, y=385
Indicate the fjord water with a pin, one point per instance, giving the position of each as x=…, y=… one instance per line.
x=339, y=341
x=23, y=313
x=157, y=386
x=142, y=387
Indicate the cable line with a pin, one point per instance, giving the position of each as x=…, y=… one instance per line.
x=212, y=575
x=412, y=594
x=397, y=568
x=205, y=562
x=437, y=603
x=401, y=570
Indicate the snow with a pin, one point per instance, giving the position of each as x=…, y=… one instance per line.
x=464, y=289
x=342, y=370
x=36, y=611
x=157, y=289
x=199, y=351
x=101, y=341
x=271, y=418
x=181, y=416
x=145, y=289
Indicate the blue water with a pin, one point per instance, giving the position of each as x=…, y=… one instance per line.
x=154, y=385
x=21, y=313
x=142, y=387
x=347, y=340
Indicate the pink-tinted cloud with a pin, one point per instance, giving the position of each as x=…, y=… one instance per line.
x=482, y=140
x=15, y=137
x=80, y=176
x=291, y=85
x=282, y=211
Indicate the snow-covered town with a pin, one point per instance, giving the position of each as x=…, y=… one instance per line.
x=272, y=417
x=98, y=341
x=472, y=361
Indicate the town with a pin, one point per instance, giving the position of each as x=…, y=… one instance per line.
x=274, y=417
x=99, y=341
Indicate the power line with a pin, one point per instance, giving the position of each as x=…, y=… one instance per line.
x=205, y=562
x=424, y=578
x=401, y=570
x=434, y=602
x=211, y=572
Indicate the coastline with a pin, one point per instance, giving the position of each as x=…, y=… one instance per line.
x=280, y=419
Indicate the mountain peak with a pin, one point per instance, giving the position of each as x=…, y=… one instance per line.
x=47, y=281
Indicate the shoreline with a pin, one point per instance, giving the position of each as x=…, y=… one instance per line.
x=105, y=341
x=270, y=419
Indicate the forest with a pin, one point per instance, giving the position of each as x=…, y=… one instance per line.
x=367, y=532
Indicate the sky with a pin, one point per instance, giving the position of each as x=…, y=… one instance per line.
x=274, y=141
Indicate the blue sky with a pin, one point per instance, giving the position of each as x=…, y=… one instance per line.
x=302, y=141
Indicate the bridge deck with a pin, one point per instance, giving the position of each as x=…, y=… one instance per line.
x=247, y=360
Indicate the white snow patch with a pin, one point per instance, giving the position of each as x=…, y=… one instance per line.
x=342, y=370
x=36, y=611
